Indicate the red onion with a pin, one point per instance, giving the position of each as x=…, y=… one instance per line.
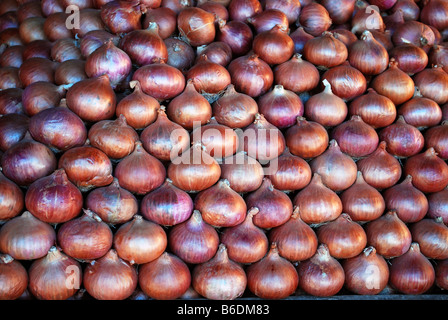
x=55, y=276
x=273, y=277
x=65, y=49
x=26, y=238
x=240, y=10
x=37, y=69
x=434, y=13
x=12, y=199
x=436, y=137
x=180, y=54
x=11, y=37
x=13, y=128
x=315, y=19
x=209, y=77
x=85, y=238
x=321, y=275
x=440, y=274
x=317, y=203
x=12, y=56
x=415, y=32
x=217, y=52
x=42, y=95
x=367, y=273
x=70, y=72
x=431, y=235
x=165, y=18
x=325, y=51
x=300, y=37
x=176, y=5
x=291, y=8
x=55, y=27
x=433, y=84
x=89, y=20
x=339, y=13
x=196, y=26
x=32, y=29
x=411, y=273
x=368, y=18
x=14, y=280
x=11, y=101
x=421, y=112
x=237, y=34
x=344, y=35
x=411, y=59
x=94, y=39
x=368, y=55
x=409, y=8
x=51, y=6
x=165, y=278
x=219, y=278
x=217, y=8
x=110, y=278
x=10, y=78
x=273, y=46
x=268, y=19
x=122, y=16
x=437, y=56
x=38, y=48
x=194, y=241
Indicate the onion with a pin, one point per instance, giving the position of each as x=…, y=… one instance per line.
x=112, y=203
x=11, y=37
x=14, y=280
x=32, y=29
x=122, y=16
x=307, y=139
x=110, y=278
x=429, y=172
x=165, y=18
x=415, y=32
x=411, y=59
x=70, y=72
x=196, y=26
x=321, y=275
x=85, y=238
x=291, y=8
x=51, y=6
x=341, y=13
x=410, y=204
x=315, y=19
x=237, y=34
x=180, y=54
x=13, y=128
x=55, y=276
x=217, y=8
x=433, y=13
x=218, y=52
x=431, y=235
x=409, y=8
x=337, y=170
x=219, y=278
x=376, y=110
x=411, y=273
x=79, y=3
x=367, y=273
x=92, y=99
x=87, y=167
x=55, y=27
x=389, y=235
x=268, y=19
x=436, y=137
x=12, y=199
x=26, y=238
x=251, y=75
x=317, y=203
x=189, y=109
x=28, y=160
x=54, y=199
x=194, y=240
x=165, y=278
x=12, y=56
x=165, y=139
x=208, y=77
x=11, y=101
x=140, y=172
x=37, y=69
x=177, y=5
x=246, y=243
x=325, y=51
x=295, y=239
x=437, y=56
x=234, y=109
x=403, y=140
x=39, y=48
x=362, y=202
x=244, y=173
x=368, y=55
x=273, y=46
x=10, y=78
x=275, y=207
x=42, y=95
x=368, y=18
x=433, y=84
x=240, y=10
x=320, y=106
x=344, y=35
x=167, y=205
x=440, y=274
x=300, y=37
x=140, y=241
x=94, y=39
x=273, y=277
x=437, y=205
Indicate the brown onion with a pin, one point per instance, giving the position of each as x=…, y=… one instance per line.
x=411, y=273
x=165, y=18
x=431, y=235
x=234, y=109
x=368, y=55
x=433, y=84
x=12, y=56
x=38, y=48
x=11, y=37
x=140, y=241
x=167, y=205
x=376, y=110
x=180, y=54
x=26, y=238
x=421, y=112
x=339, y=13
x=321, y=275
x=194, y=241
x=219, y=278
x=165, y=278
x=10, y=78
x=325, y=51
x=13, y=128
x=273, y=46
x=110, y=278
x=438, y=205
x=362, y=202
x=344, y=35
x=295, y=239
x=31, y=29
x=87, y=167
x=94, y=39
x=56, y=276
x=208, y=77
x=176, y=5
x=196, y=26
x=244, y=173
x=409, y=8
x=92, y=99
x=317, y=203
x=367, y=273
x=11, y=199
x=122, y=16
x=273, y=277
x=54, y=199
x=403, y=140
x=388, y=235
x=86, y=237
x=337, y=169
x=217, y=8
x=89, y=20
x=429, y=172
x=315, y=19
x=291, y=8
x=246, y=243
x=307, y=139
x=236, y=34
x=436, y=137
x=437, y=56
x=14, y=280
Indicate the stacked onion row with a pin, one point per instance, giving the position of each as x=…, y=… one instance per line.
x=168, y=149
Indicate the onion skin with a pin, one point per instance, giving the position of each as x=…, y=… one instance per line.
x=165, y=278
x=268, y=19
x=325, y=51
x=411, y=273
x=122, y=16
x=219, y=278
x=441, y=272
x=435, y=137
x=110, y=278
x=26, y=238
x=49, y=276
x=218, y=52
x=273, y=277
x=94, y=39
x=307, y=139
x=300, y=38
x=36, y=69
x=140, y=241
x=196, y=26
x=11, y=101
x=315, y=19
x=70, y=72
x=14, y=280
x=85, y=238
x=13, y=128
x=165, y=18
x=274, y=46
x=181, y=55
x=240, y=10
x=41, y=95
x=112, y=203
x=246, y=243
x=237, y=35
x=321, y=275
x=431, y=235
x=411, y=59
x=194, y=241
x=367, y=273
x=11, y=199
x=346, y=81
x=208, y=77
x=433, y=84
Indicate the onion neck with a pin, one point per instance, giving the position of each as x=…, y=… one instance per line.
x=6, y=258
x=92, y=215
x=221, y=256
x=369, y=252
x=196, y=222
x=327, y=85
x=322, y=254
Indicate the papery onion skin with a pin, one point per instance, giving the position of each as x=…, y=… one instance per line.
x=165, y=18
x=196, y=26
x=273, y=46
x=433, y=84
x=208, y=77
x=435, y=137
x=315, y=19
x=431, y=235
x=122, y=16
x=346, y=81
x=325, y=51
x=236, y=34
x=240, y=10
x=70, y=72
x=14, y=280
